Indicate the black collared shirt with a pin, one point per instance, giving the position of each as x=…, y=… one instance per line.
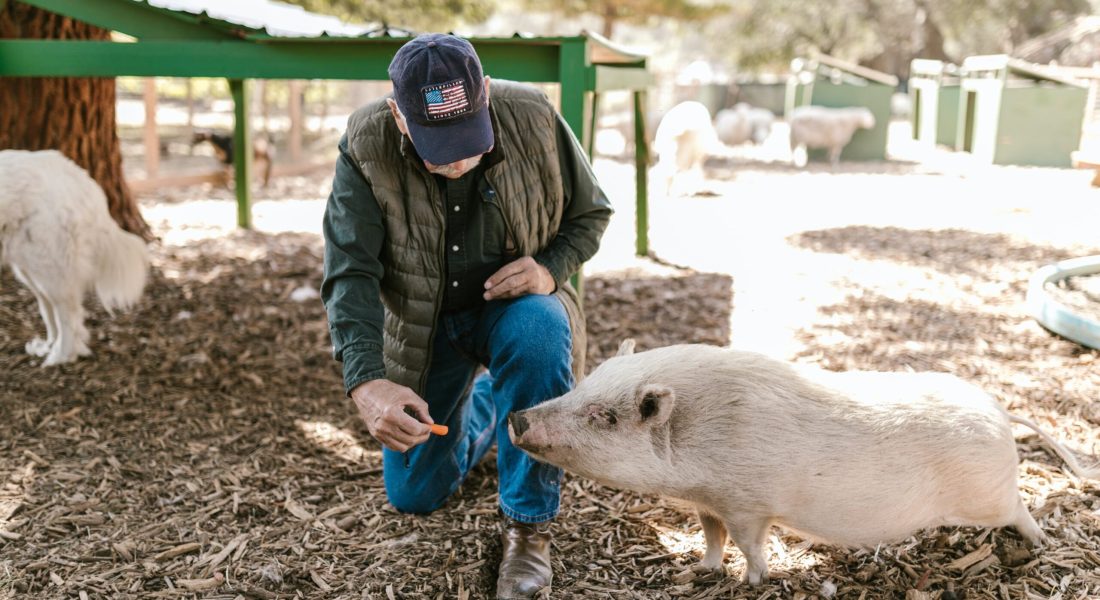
x=473, y=254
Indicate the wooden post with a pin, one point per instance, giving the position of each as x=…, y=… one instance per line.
x=295, y=110
x=324, y=106
x=242, y=151
x=264, y=113
x=152, y=141
x=190, y=114
x=641, y=176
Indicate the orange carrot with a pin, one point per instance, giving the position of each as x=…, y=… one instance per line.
x=439, y=429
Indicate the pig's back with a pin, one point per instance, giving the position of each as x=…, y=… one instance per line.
x=858, y=457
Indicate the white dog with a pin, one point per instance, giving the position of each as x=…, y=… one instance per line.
x=59, y=239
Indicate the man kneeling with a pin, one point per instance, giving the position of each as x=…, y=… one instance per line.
x=452, y=228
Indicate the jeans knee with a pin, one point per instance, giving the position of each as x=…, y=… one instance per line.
x=414, y=499
x=536, y=330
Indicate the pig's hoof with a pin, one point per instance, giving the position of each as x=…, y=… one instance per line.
x=705, y=567
x=754, y=577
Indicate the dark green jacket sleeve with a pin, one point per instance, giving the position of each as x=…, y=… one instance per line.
x=585, y=213
x=354, y=234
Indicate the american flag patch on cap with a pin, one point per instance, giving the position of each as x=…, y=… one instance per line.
x=444, y=100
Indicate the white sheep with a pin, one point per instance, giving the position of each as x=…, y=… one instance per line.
x=60, y=240
x=684, y=138
x=743, y=123
x=829, y=128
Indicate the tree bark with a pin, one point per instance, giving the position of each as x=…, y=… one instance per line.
x=75, y=115
x=610, y=18
x=933, y=38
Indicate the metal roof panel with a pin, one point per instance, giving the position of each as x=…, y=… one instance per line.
x=277, y=19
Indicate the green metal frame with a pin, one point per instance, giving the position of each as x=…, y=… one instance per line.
x=180, y=44
x=242, y=151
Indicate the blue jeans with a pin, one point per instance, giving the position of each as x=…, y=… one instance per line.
x=526, y=345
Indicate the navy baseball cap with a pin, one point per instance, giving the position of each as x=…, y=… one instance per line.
x=439, y=87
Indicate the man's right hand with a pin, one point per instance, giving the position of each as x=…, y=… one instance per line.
x=382, y=404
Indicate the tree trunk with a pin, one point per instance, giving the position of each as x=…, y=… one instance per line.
x=610, y=17
x=933, y=38
x=75, y=115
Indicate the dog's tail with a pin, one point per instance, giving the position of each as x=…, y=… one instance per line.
x=121, y=263
x=1082, y=472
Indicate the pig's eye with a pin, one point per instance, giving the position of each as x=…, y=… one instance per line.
x=603, y=418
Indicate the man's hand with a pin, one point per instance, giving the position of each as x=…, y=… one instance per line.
x=519, y=278
x=382, y=406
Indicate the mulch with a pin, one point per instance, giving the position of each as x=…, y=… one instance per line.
x=206, y=450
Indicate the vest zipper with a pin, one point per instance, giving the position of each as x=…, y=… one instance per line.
x=442, y=253
x=508, y=232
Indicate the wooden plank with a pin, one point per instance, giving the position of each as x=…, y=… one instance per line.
x=152, y=140
x=295, y=110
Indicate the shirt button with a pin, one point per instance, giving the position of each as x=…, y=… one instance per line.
x=455, y=248
x=454, y=284
x=457, y=208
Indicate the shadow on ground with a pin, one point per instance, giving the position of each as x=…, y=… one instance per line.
x=208, y=436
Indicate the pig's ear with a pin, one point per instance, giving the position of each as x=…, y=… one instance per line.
x=655, y=403
x=626, y=348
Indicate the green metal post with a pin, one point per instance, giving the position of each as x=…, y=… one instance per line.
x=641, y=176
x=242, y=151
x=573, y=74
x=590, y=131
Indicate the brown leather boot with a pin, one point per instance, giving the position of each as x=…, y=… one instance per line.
x=525, y=561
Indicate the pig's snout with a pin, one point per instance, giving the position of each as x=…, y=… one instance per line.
x=525, y=433
x=518, y=424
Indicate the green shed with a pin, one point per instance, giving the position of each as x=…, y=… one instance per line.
x=934, y=95
x=822, y=80
x=1012, y=112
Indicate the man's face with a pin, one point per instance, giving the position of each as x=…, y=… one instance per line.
x=456, y=169
x=452, y=170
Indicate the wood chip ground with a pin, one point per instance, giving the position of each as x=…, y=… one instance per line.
x=206, y=450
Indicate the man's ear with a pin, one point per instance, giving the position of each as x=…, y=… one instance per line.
x=397, y=116
x=655, y=404
x=486, y=87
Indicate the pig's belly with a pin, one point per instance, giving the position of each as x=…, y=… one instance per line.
x=868, y=507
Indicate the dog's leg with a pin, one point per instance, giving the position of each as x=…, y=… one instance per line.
x=81, y=335
x=67, y=311
x=39, y=346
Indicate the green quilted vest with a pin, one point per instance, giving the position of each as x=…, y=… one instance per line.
x=528, y=185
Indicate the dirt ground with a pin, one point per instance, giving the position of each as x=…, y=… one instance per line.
x=206, y=450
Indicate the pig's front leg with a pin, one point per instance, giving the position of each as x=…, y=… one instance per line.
x=715, y=534
x=750, y=533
